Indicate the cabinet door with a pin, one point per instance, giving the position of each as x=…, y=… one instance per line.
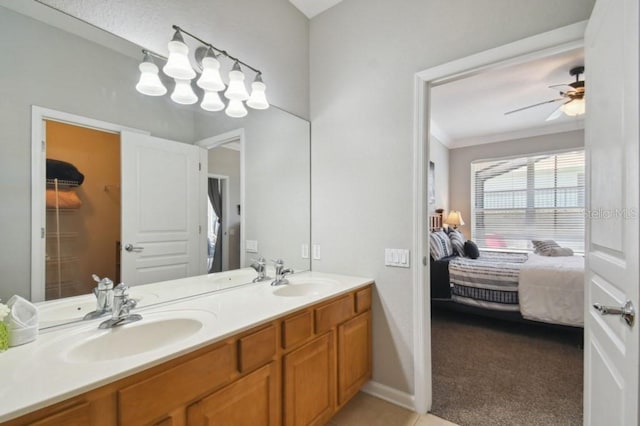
x=252, y=400
x=354, y=356
x=309, y=383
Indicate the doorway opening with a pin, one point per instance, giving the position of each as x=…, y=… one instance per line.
x=556, y=41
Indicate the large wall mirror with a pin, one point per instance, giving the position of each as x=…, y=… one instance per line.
x=68, y=94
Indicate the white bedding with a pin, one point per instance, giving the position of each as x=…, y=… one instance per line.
x=551, y=289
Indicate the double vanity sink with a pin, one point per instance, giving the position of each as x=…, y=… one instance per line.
x=77, y=358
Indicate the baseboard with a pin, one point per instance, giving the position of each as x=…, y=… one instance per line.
x=389, y=394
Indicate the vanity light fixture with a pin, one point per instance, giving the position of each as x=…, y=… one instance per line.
x=178, y=67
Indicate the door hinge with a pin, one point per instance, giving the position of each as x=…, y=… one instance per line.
x=199, y=229
x=44, y=146
x=41, y=232
x=199, y=166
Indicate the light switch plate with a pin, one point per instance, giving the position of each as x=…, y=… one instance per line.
x=397, y=257
x=251, y=246
x=316, y=251
x=305, y=251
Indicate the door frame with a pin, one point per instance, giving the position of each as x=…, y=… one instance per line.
x=226, y=208
x=236, y=135
x=527, y=49
x=38, y=186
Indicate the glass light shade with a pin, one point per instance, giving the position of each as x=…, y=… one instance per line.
x=454, y=219
x=178, y=65
x=212, y=102
x=210, y=79
x=183, y=93
x=573, y=108
x=258, y=99
x=236, y=89
x=236, y=109
x=149, y=83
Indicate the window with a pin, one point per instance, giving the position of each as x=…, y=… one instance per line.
x=521, y=199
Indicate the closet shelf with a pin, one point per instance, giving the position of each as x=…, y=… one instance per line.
x=62, y=183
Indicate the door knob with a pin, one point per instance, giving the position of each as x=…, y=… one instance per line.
x=132, y=248
x=627, y=312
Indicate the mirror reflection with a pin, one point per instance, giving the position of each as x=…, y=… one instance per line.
x=167, y=191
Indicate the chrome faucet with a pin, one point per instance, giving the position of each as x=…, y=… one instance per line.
x=259, y=266
x=104, y=295
x=121, y=306
x=281, y=273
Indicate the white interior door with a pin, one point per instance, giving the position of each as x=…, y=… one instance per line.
x=611, y=132
x=161, y=192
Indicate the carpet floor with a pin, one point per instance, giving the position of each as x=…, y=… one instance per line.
x=493, y=372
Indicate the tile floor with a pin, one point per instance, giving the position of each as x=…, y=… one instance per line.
x=366, y=410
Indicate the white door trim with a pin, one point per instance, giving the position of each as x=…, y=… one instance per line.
x=216, y=141
x=38, y=175
x=538, y=46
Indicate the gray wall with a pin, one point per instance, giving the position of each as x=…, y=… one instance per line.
x=364, y=55
x=93, y=82
x=226, y=162
x=271, y=35
x=461, y=158
x=439, y=154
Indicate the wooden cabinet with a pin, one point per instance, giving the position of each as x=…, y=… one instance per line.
x=309, y=383
x=354, y=356
x=295, y=370
x=251, y=400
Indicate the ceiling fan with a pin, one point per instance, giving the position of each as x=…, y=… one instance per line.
x=572, y=98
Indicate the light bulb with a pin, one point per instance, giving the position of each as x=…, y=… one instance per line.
x=210, y=79
x=236, y=89
x=236, y=109
x=258, y=99
x=149, y=83
x=183, y=93
x=212, y=102
x=575, y=107
x=178, y=65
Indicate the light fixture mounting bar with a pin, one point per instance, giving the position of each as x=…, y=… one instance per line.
x=223, y=52
x=154, y=54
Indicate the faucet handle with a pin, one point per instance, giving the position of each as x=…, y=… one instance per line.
x=278, y=262
x=260, y=261
x=103, y=283
x=121, y=290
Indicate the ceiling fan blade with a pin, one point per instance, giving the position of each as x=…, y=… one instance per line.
x=556, y=112
x=534, y=105
x=553, y=86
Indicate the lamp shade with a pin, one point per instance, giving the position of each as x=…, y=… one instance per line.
x=183, y=93
x=573, y=108
x=178, y=65
x=454, y=219
x=258, y=99
x=149, y=82
x=236, y=109
x=212, y=102
x=210, y=79
x=236, y=89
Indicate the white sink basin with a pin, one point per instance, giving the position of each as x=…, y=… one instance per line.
x=305, y=287
x=154, y=331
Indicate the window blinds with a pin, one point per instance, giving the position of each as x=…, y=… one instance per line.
x=521, y=199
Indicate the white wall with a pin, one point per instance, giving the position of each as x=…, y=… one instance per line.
x=439, y=155
x=271, y=35
x=364, y=55
x=57, y=70
x=461, y=158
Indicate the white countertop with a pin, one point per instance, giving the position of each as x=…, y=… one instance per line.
x=39, y=374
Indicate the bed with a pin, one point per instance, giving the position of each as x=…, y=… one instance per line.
x=515, y=286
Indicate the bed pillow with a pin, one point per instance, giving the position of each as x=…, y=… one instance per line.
x=471, y=250
x=560, y=252
x=440, y=245
x=543, y=247
x=457, y=241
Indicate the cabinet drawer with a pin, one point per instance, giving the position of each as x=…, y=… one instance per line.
x=296, y=330
x=256, y=349
x=156, y=396
x=334, y=313
x=363, y=300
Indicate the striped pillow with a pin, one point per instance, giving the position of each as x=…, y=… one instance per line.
x=457, y=241
x=544, y=247
x=440, y=245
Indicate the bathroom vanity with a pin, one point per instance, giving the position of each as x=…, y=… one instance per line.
x=253, y=355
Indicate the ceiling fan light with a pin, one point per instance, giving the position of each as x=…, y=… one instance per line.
x=574, y=108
